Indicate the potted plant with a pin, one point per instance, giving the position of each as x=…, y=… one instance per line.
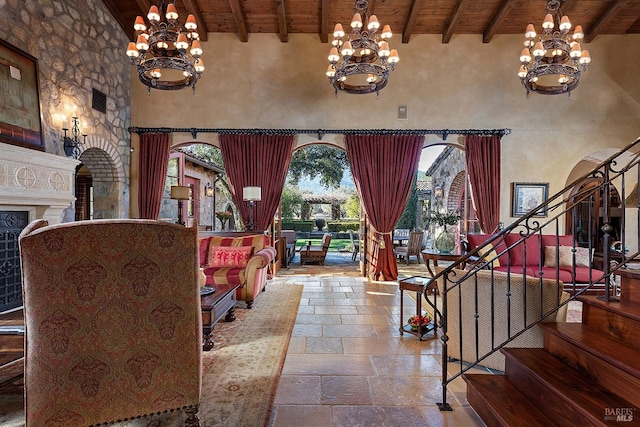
x=445, y=242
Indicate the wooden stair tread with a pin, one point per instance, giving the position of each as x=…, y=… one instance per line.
x=504, y=402
x=11, y=372
x=621, y=308
x=566, y=383
x=617, y=353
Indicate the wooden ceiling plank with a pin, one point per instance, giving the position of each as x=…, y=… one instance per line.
x=604, y=19
x=412, y=19
x=282, y=21
x=498, y=18
x=127, y=27
x=324, y=24
x=144, y=6
x=193, y=9
x=454, y=20
x=241, y=21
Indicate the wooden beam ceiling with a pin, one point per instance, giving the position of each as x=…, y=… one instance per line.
x=193, y=9
x=324, y=21
x=604, y=19
x=412, y=20
x=455, y=19
x=497, y=19
x=282, y=21
x=241, y=21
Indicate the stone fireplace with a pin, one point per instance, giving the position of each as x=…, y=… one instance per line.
x=33, y=185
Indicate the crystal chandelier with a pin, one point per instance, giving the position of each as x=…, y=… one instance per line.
x=554, y=63
x=167, y=56
x=361, y=64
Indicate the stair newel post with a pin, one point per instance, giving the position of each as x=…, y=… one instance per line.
x=443, y=406
x=607, y=231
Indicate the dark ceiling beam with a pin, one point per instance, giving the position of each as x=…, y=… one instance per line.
x=282, y=21
x=241, y=22
x=127, y=27
x=603, y=20
x=192, y=8
x=144, y=6
x=412, y=19
x=324, y=21
x=498, y=18
x=456, y=16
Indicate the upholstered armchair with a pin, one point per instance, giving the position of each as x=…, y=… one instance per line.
x=313, y=253
x=113, y=321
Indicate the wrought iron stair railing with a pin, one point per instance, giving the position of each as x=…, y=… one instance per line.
x=600, y=214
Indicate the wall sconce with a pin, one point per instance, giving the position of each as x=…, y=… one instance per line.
x=180, y=193
x=72, y=144
x=208, y=190
x=251, y=195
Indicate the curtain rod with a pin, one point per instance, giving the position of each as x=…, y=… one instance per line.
x=320, y=132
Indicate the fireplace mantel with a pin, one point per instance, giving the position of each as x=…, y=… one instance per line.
x=38, y=182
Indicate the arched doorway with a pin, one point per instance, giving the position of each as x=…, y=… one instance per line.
x=99, y=183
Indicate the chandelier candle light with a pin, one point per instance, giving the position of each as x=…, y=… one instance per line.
x=553, y=65
x=361, y=64
x=167, y=56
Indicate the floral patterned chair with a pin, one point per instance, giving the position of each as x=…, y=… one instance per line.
x=113, y=321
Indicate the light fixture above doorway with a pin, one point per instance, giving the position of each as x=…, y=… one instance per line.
x=166, y=55
x=554, y=63
x=361, y=64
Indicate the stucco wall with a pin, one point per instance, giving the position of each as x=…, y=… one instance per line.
x=463, y=84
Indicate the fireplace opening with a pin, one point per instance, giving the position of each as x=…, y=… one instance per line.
x=11, y=224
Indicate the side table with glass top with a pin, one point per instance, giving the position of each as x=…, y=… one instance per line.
x=418, y=285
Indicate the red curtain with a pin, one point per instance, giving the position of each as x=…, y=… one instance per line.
x=260, y=161
x=384, y=167
x=152, y=167
x=483, y=166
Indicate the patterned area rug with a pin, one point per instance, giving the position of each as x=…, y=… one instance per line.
x=240, y=374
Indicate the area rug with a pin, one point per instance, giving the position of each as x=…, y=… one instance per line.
x=240, y=374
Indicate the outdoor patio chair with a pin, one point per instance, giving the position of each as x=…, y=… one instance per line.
x=315, y=254
x=355, y=245
x=414, y=247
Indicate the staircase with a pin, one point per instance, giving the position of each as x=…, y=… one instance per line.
x=587, y=373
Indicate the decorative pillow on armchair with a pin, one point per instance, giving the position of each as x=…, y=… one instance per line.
x=229, y=256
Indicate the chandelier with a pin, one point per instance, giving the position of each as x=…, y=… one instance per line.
x=167, y=56
x=554, y=63
x=361, y=64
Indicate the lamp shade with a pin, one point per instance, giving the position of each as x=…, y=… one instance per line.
x=179, y=192
x=252, y=193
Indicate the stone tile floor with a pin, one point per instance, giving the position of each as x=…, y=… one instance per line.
x=347, y=364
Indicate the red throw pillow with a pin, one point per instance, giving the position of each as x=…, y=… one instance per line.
x=229, y=256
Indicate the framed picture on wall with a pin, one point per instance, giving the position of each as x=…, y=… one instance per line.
x=526, y=196
x=20, y=122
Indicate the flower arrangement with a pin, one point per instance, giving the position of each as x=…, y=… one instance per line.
x=415, y=320
x=445, y=218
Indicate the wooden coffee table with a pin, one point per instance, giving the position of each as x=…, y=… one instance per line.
x=214, y=306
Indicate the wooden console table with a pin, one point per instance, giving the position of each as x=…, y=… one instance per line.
x=433, y=256
x=221, y=303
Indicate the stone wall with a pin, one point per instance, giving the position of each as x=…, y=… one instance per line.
x=79, y=47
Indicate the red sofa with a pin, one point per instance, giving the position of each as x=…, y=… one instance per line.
x=551, y=266
x=241, y=260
